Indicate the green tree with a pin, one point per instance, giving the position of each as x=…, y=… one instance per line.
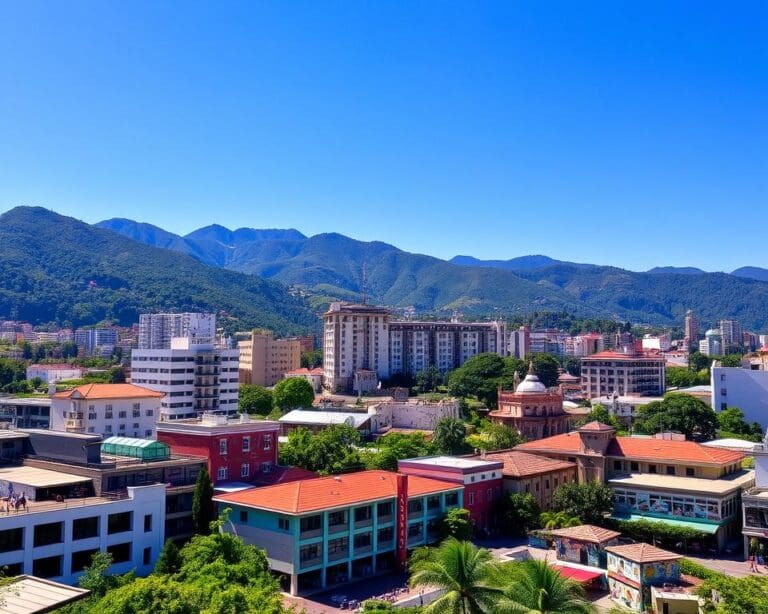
x=293, y=393
x=731, y=423
x=169, y=561
x=558, y=520
x=397, y=446
x=537, y=588
x=479, y=377
x=697, y=361
x=457, y=524
x=589, y=501
x=115, y=376
x=202, y=502
x=311, y=359
x=255, y=399
x=462, y=571
x=681, y=377
x=678, y=412
x=517, y=513
x=493, y=436
x=428, y=379
x=333, y=450
x=36, y=383
x=449, y=436
x=731, y=360
x=547, y=367
x=736, y=595
x=601, y=414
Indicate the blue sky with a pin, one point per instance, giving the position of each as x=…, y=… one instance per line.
x=597, y=132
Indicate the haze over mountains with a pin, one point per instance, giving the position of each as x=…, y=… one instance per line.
x=331, y=266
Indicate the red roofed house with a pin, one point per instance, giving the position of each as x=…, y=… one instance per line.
x=107, y=409
x=681, y=482
x=328, y=531
x=313, y=376
x=623, y=373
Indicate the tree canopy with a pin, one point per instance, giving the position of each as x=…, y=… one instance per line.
x=334, y=449
x=589, y=501
x=517, y=513
x=678, y=412
x=732, y=424
x=255, y=399
x=202, y=502
x=293, y=393
x=450, y=436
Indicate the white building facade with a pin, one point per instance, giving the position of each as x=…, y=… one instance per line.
x=194, y=378
x=746, y=389
x=56, y=541
x=54, y=373
x=124, y=410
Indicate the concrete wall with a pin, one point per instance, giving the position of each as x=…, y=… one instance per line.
x=742, y=388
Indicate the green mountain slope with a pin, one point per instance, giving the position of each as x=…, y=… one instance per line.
x=56, y=268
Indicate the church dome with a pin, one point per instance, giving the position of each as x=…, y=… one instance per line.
x=531, y=384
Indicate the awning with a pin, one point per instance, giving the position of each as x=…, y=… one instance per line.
x=579, y=575
x=702, y=527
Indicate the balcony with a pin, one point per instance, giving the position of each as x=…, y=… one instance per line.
x=311, y=533
x=338, y=528
x=310, y=562
x=74, y=424
x=338, y=554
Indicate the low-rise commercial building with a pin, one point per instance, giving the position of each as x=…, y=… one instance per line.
x=331, y=530
x=584, y=544
x=635, y=568
x=238, y=450
x=26, y=413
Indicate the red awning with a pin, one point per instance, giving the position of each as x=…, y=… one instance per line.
x=579, y=575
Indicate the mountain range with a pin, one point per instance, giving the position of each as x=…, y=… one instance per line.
x=332, y=266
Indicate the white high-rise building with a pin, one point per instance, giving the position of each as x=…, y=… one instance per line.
x=355, y=346
x=730, y=330
x=195, y=378
x=157, y=329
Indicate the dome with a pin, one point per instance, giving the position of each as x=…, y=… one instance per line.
x=712, y=332
x=531, y=384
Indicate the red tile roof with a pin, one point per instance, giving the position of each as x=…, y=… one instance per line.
x=108, y=391
x=586, y=533
x=596, y=426
x=640, y=448
x=333, y=491
x=643, y=553
x=522, y=464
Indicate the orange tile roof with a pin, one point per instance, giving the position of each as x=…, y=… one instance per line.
x=587, y=533
x=639, y=447
x=596, y=426
x=108, y=391
x=333, y=491
x=522, y=464
x=643, y=553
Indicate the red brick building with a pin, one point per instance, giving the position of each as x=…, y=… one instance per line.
x=482, y=481
x=240, y=450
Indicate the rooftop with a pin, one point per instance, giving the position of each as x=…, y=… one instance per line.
x=56, y=367
x=453, y=462
x=587, y=533
x=722, y=486
x=38, y=478
x=32, y=401
x=335, y=491
x=639, y=447
x=522, y=464
x=643, y=553
x=213, y=424
x=609, y=355
x=108, y=391
x=314, y=416
x=31, y=595
x=732, y=444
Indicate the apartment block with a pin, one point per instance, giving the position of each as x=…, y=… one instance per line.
x=264, y=360
x=157, y=329
x=623, y=373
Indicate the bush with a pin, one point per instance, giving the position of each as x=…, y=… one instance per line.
x=692, y=568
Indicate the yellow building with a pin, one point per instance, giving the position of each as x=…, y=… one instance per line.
x=264, y=360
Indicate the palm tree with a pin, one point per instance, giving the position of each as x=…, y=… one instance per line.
x=533, y=587
x=462, y=571
x=558, y=520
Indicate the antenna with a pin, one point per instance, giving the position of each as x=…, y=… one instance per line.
x=364, y=285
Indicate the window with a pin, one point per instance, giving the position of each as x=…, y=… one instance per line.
x=266, y=467
x=452, y=498
x=246, y=444
x=222, y=473
x=149, y=413
x=651, y=468
x=471, y=498
x=222, y=446
x=723, y=406
x=310, y=552
x=147, y=523
x=634, y=466
x=82, y=558
x=120, y=552
x=690, y=472
x=433, y=502
x=122, y=414
x=723, y=392
x=245, y=470
x=147, y=558
x=384, y=509
x=83, y=528
x=362, y=540
x=11, y=539
x=119, y=523
x=268, y=441
x=311, y=523
x=136, y=406
x=415, y=530
x=108, y=428
x=108, y=407
x=415, y=507
x=338, y=546
x=284, y=524
x=92, y=416
x=617, y=465
x=148, y=433
x=490, y=494
x=670, y=470
x=50, y=533
x=337, y=518
x=363, y=514
x=48, y=567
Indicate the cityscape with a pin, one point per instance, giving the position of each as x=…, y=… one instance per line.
x=431, y=308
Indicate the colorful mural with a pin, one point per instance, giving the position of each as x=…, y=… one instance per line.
x=625, y=595
x=625, y=568
x=658, y=573
x=585, y=553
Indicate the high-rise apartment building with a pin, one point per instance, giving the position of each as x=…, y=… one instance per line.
x=355, y=346
x=623, y=373
x=264, y=360
x=157, y=329
x=519, y=342
x=415, y=346
x=195, y=378
x=730, y=330
x=691, y=338
x=92, y=341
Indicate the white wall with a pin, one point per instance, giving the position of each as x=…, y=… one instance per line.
x=142, y=500
x=64, y=411
x=742, y=388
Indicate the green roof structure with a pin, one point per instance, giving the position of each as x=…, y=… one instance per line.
x=144, y=449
